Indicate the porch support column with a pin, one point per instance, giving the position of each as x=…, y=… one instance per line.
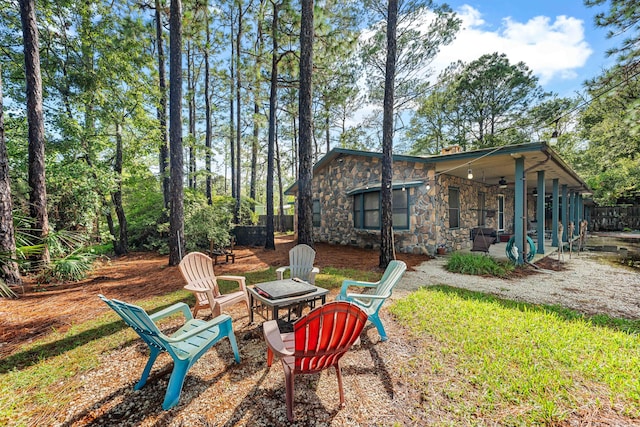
x=572, y=213
x=564, y=218
x=576, y=221
x=540, y=214
x=580, y=211
x=520, y=215
x=555, y=213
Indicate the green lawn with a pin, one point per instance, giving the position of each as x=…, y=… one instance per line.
x=519, y=364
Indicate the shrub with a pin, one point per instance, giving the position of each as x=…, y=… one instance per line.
x=204, y=223
x=72, y=267
x=478, y=265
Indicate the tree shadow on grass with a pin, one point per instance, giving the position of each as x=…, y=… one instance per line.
x=32, y=356
x=623, y=325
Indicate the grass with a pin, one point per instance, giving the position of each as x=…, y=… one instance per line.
x=478, y=265
x=482, y=360
x=519, y=364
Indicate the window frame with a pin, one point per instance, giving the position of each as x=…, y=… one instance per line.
x=500, y=221
x=316, y=221
x=359, y=211
x=456, y=209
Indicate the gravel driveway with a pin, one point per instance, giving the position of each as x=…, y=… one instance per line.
x=587, y=285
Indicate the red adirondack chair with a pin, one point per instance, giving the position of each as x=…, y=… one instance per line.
x=319, y=340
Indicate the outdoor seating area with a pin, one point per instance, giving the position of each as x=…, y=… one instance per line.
x=312, y=343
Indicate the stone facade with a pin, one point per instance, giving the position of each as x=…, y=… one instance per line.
x=428, y=205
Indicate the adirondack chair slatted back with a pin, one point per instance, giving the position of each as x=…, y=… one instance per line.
x=325, y=335
x=197, y=270
x=392, y=275
x=301, y=258
x=139, y=320
x=145, y=328
x=376, y=293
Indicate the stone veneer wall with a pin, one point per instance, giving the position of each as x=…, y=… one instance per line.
x=428, y=208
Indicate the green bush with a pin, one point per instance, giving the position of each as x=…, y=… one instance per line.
x=72, y=267
x=147, y=220
x=204, y=223
x=478, y=265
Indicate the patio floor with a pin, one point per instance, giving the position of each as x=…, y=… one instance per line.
x=499, y=251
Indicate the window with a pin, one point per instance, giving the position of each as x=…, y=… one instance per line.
x=482, y=213
x=357, y=210
x=366, y=210
x=454, y=207
x=500, y=212
x=372, y=210
x=316, y=213
x=400, y=209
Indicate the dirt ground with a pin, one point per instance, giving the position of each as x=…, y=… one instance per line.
x=144, y=275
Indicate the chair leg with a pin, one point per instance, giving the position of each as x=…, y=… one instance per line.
x=153, y=354
x=176, y=381
x=288, y=384
x=375, y=319
x=340, y=388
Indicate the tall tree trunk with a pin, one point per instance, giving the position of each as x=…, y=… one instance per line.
x=232, y=142
x=9, y=272
x=273, y=96
x=280, y=189
x=121, y=245
x=256, y=106
x=236, y=211
x=386, y=191
x=163, y=160
x=305, y=173
x=35, y=117
x=192, y=116
x=207, y=109
x=327, y=127
x=176, y=219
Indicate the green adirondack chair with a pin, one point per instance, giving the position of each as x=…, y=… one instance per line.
x=185, y=346
x=377, y=293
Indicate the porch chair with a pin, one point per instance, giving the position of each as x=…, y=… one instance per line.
x=319, y=340
x=378, y=293
x=185, y=346
x=301, y=259
x=197, y=270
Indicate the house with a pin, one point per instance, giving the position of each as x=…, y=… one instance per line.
x=438, y=200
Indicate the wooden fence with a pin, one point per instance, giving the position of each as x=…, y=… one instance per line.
x=615, y=218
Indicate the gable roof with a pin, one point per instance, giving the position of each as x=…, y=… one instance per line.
x=488, y=164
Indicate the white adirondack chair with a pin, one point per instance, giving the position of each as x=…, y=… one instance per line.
x=301, y=259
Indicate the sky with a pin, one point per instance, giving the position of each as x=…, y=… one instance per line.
x=556, y=39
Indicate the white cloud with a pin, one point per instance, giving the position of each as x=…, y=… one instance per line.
x=551, y=49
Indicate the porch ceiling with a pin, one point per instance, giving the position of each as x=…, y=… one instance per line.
x=489, y=167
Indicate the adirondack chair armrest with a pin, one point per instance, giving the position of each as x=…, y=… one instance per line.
x=280, y=272
x=346, y=283
x=368, y=296
x=203, y=327
x=242, y=281
x=180, y=306
x=274, y=339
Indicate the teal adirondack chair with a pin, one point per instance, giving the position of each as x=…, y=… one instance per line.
x=377, y=293
x=185, y=346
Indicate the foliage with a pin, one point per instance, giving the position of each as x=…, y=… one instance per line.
x=72, y=267
x=515, y=363
x=146, y=216
x=624, y=17
x=611, y=160
x=204, y=223
x=477, y=265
